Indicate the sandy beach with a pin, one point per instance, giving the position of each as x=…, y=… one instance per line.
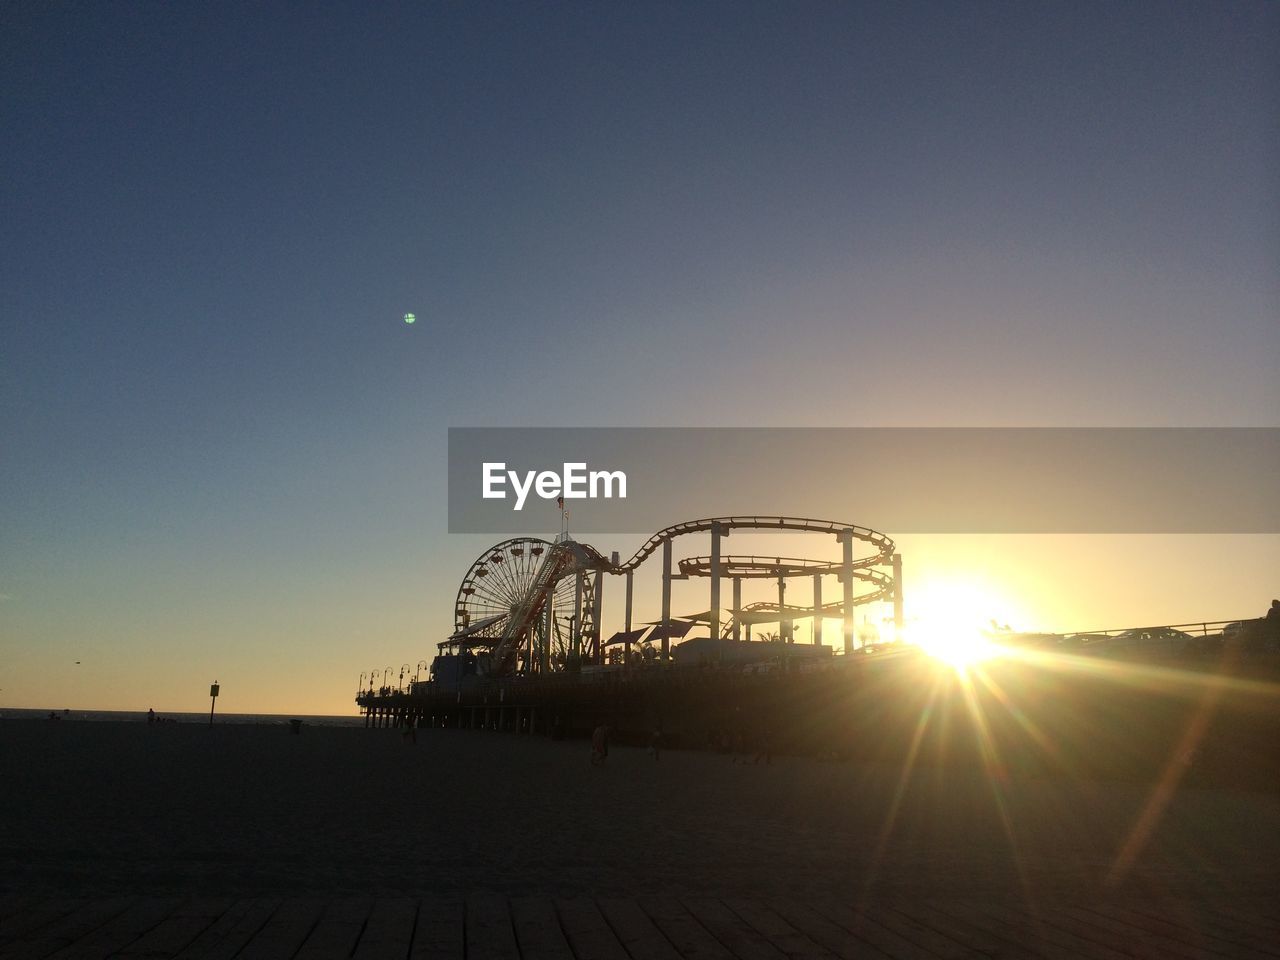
x=97, y=809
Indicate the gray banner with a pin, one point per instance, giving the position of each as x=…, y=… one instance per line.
x=897, y=480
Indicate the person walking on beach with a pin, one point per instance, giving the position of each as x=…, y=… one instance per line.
x=655, y=742
x=411, y=729
x=599, y=745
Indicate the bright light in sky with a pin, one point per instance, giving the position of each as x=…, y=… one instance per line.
x=950, y=618
x=957, y=646
x=409, y=318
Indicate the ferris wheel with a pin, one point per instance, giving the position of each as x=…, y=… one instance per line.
x=503, y=597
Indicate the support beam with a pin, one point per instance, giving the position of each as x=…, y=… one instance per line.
x=575, y=642
x=817, y=609
x=548, y=632
x=627, y=621
x=737, y=607
x=784, y=625
x=716, y=532
x=846, y=579
x=666, y=601
x=597, y=608
x=897, y=595
x=530, y=654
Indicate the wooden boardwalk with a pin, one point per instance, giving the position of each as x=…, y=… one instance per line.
x=495, y=927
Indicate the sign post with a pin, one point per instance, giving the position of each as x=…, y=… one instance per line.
x=213, y=699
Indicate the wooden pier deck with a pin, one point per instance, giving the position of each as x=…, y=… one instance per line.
x=496, y=927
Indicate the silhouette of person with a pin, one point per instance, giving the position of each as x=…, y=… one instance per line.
x=599, y=745
x=1271, y=622
x=151, y=715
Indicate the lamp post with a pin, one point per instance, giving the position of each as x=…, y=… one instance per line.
x=418, y=672
x=385, y=675
x=360, y=685
x=404, y=668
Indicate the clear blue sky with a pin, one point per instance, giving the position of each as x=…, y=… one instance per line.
x=221, y=450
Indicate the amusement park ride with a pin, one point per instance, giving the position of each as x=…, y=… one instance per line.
x=526, y=653
x=527, y=606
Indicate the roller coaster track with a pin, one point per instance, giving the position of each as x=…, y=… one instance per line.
x=884, y=546
x=833, y=610
x=882, y=582
x=566, y=556
x=764, y=567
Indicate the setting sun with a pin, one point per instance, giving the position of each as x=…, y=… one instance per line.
x=952, y=620
x=957, y=646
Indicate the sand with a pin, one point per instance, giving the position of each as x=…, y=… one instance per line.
x=93, y=809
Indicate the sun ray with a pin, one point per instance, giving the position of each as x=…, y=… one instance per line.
x=996, y=776
x=900, y=789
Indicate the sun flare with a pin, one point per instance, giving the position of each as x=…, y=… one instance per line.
x=952, y=620
x=958, y=647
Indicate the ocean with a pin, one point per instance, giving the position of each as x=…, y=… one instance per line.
x=140, y=716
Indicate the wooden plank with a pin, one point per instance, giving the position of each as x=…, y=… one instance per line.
x=690, y=938
x=1252, y=909
x=962, y=930
x=440, y=930
x=884, y=939
x=730, y=929
x=1028, y=934
x=538, y=931
x=819, y=929
x=11, y=904
x=1252, y=916
x=1148, y=927
x=1217, y=924
x=175, y=932
x=1135, y=940
x=24, y=923
x=119, y=932
x=921, y=934
x=211, y=907
x=1045, y=926
x=1206, y=943
x=334, y=937
x=588, y=933
x=227, y=936
x=65, y=931
x=769, y=924
x=166, y=939
x=636, y=932
x=489, y=934
x=285, y=932
x=1124, y=941
x=389, y=933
